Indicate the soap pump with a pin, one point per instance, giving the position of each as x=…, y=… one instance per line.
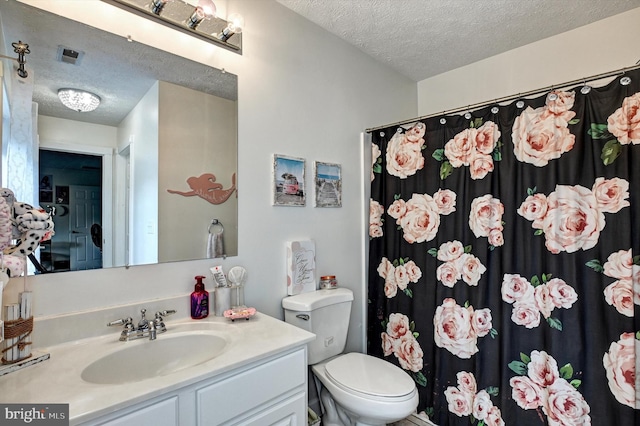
x=199, y=300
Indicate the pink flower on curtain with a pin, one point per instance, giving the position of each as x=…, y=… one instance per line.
x=375, y=160
x=625, y=292
x=399, y=339
x=398, y=275
x=457, y=328
x=620, y=365
x=419, y=218
x=404, y=151
x=458, y=264
x=473, y=147
x=485, y=219
x=540, y=385
x=541, y=135
x=375, y=218
x=624, y=123
x=535, y=298
x=572, y=217
x=465, y=400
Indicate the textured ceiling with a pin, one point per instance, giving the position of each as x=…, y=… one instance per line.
x=118, y=71
x=423, y=38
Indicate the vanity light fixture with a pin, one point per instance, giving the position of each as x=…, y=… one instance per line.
x=196, y=18
x=205, y=9
x=234, y=26
x=79, y=100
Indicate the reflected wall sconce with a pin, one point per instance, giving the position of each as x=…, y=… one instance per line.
x=78, y=100
x=21, y=49
x=194, y=17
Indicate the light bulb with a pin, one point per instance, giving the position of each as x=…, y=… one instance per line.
x=235, y=25
x=205, y=10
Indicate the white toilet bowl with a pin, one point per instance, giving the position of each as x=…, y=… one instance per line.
x=362, y=390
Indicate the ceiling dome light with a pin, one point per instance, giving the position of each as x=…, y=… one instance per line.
x=78, y=100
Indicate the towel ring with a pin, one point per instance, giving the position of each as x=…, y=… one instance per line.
x=213, y=224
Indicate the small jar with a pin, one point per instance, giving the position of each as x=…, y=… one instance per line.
x=328, y=282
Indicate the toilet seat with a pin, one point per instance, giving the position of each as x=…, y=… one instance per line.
x=367, y=375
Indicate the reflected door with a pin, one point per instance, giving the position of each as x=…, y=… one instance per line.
x=85, y=236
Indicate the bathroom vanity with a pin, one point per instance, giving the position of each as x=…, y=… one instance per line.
x=247, y=372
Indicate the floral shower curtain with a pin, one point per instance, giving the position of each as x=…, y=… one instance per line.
x=504, y=266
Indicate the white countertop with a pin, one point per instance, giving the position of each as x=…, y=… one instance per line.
x=58, y=380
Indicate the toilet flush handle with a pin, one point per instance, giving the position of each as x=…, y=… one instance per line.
x=304, y=317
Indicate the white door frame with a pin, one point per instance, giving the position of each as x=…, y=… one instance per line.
x=107, y=189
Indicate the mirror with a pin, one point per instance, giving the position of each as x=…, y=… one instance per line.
x=163, y=141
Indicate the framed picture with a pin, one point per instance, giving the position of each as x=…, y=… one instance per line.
x=288, y=181
x=62, y=194
x=46, y=196
x=328, y=183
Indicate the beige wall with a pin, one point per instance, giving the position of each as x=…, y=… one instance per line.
x=603, y=46
x=187, y=150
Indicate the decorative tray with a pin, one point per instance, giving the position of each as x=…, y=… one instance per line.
x=239, y=313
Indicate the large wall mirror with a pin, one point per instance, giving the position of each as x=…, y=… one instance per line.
x=148, y=176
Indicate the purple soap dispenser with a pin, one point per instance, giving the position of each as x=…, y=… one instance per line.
x=199, y=300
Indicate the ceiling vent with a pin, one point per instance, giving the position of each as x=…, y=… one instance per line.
x=69, y=55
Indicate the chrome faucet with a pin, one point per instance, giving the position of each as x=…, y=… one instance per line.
x=145, y=328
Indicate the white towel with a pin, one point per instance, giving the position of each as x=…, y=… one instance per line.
x=215, y=245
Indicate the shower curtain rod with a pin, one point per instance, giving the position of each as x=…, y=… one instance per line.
x=615, y=73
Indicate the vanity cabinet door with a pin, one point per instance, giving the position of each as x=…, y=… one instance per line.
x=290, y=412
x=253, y=391
x=163, y=413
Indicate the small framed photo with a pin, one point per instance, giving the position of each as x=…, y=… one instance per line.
x=62, y=194
x=328, y=184
x=288, y=181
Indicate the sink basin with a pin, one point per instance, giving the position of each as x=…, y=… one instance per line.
x=144, y=359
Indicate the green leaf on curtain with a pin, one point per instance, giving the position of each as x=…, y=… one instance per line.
x=575, y=383
x=477, y=122
x=429, y=411
x=638, y=335
x=384, y=324
x=467, y=304
x=408, y=292
x=566, y=371
x=420, y=379
x=610, y=151
x=416, y=334
x=438, y=154
x=535, y=281
x=531, y=191
x=396, y=197
x=492, y=248
x=525, y=358
x=595, y=265
x=574, y=121
x=555, y=323
x=636, y=260
x=497, y=155
x=546, y=278
x=467, y=249
x=493, y=333
x=445, y=170
x=377, y=168
x=518, y=367
x=598, y=131
x=433, y=252
x=412, y=325
x=493, y=390
x=538, y=232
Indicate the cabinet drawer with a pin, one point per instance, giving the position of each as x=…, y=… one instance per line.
x=163, y=413
x=231, y=397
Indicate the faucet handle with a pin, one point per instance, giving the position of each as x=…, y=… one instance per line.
x=121, y=321
x=165, y=313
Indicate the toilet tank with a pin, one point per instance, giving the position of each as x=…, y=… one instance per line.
x=324, y=313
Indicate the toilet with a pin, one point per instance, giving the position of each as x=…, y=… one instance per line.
x=357, y=389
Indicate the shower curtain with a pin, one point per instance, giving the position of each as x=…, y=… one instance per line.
x=504, y=261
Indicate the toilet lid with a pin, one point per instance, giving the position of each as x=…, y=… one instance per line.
x=369, y=375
